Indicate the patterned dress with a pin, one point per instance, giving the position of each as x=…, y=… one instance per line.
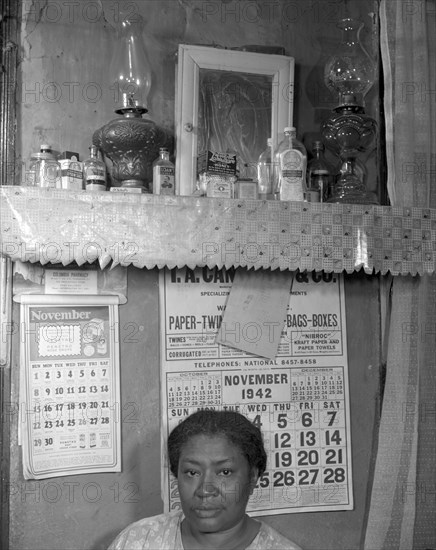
x=163, y=532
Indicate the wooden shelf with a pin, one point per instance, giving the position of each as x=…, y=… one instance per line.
x=60, y=226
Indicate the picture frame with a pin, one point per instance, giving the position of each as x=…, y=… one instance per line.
x=232, y=100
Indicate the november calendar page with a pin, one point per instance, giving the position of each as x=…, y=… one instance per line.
x=69, y=385
x=299, y=399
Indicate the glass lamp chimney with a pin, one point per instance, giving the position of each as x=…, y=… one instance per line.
x=351, y=71
x=130, y=68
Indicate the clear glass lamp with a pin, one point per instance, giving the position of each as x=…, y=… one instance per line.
x=130, y=141
x=349, y=131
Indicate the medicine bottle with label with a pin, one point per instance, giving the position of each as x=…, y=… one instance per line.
x=163, y=174
x=94, y=171
x=318, y=174
x=290, y=166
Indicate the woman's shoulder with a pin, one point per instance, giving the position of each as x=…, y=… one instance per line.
x=270, y=539
x=158, y=531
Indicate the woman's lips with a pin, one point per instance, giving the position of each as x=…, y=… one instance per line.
x=206, y=512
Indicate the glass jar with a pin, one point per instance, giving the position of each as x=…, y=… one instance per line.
x=44, y=170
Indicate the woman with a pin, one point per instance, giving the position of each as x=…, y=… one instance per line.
x=217, y=458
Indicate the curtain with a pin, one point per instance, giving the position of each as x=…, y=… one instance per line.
x=402, y=513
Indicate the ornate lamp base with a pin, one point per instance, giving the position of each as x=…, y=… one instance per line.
x=351, y=191
x=348, y=132
x=132, y=144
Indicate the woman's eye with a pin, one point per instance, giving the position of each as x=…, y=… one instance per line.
x=191, y=473
x=226, y=472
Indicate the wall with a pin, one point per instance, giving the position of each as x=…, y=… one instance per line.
x=86, y=511
x=67, y=94
x=65, y=56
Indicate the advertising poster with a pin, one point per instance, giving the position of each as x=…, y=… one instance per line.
x=70, y=389
x=299, y=399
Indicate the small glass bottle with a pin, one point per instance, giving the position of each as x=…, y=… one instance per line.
x=31, y=173
x=163, y=174
x=44, y=170
x=319, y=174
x=265, y=173
x=291, y=164
x=94, y=171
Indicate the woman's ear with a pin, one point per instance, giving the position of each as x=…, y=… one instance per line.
x=254, y=476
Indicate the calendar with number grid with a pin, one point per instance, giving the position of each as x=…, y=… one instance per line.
x=69, y=390
x=300, y=400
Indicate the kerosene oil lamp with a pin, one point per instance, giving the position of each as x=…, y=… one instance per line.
x=349, y=131
x=131, y=141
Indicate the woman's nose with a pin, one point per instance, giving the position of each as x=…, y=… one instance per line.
x=207, y=489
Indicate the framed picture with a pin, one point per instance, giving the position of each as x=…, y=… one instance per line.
x=229, y=101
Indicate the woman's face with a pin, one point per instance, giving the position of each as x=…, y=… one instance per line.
x=214, y=482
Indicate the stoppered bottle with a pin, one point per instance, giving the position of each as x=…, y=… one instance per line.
x=319, y=174
x=290, y=168
x=163, y=174
x=94, y=171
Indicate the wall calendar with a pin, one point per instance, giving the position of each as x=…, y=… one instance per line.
x=299, y=399
x=69, y=387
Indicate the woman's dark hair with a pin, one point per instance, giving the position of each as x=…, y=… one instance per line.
x=230, y=424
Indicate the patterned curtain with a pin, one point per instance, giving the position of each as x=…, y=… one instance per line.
x=402, y=511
